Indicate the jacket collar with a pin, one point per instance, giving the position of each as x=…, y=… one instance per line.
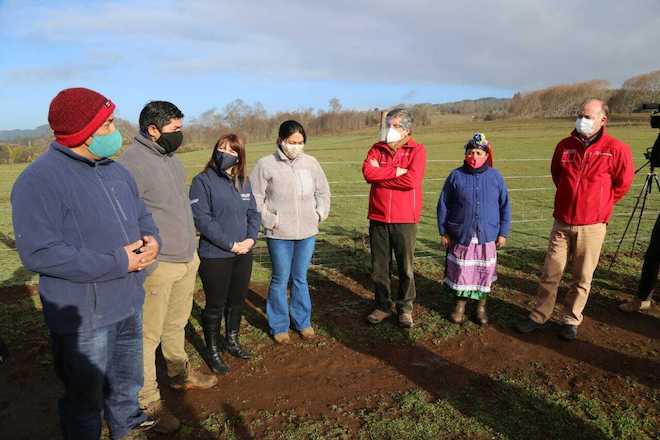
x=70, y=154
x=469, y=170
x=602, y=133
x=150, y=145
x=412, y=143
x=279, y=155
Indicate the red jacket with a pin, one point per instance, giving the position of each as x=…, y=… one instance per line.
x=590, y=180
x=395, y=199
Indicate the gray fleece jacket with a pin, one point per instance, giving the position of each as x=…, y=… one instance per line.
x=292, y=196
x=161, y=181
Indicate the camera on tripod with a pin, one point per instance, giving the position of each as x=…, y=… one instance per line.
x=652, y=154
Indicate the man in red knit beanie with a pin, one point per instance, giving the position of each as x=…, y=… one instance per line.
x=80, y=225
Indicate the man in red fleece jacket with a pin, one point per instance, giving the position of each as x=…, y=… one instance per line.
x=395, y=170
x=592, y=171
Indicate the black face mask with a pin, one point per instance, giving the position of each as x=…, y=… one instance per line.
x=170, y=141
x=223, y=161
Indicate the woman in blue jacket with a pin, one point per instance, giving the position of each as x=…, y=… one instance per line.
x=474, y=217
x=227, y=219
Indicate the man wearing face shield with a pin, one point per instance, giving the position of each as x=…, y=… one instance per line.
x=395, y=169
x=592, y=171
x=169, y=288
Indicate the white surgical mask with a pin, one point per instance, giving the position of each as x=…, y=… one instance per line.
x=584, y=126
x=393, y=135
x=292, y=150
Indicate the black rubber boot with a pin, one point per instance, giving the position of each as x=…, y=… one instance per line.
x=232, y=326
x=210, y=323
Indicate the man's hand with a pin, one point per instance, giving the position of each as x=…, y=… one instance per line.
x=400, y=171
x=134, y=259
x=446, y=241
x=374, y=163
x=149, y=251
x=500, y=242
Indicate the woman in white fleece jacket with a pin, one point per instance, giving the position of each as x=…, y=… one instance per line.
x=293, y=197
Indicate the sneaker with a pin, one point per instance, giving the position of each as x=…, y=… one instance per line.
x=568, y=332
x=139, y=432
x=308, y=333
x=282, y=338
x=405, y=320
x=527, y=326
x=377, y=316
x=167, y=422
x=193, y=380
x=636, y=305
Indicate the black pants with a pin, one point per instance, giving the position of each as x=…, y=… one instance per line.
x=4, y=351
x=225, y=282
x=398, y=238
x=651, y=265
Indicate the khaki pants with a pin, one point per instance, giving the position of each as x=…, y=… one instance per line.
x=582, y=244
x=167, y=305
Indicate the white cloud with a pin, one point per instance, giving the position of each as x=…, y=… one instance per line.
x=514, y=44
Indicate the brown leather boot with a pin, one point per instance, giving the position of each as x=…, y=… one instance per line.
x=458, y=315
x=482, y=317
x=193, y=380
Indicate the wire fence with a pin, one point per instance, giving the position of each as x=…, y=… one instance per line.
x=351, y=242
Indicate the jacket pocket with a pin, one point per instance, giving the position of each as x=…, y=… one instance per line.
x=270, y=219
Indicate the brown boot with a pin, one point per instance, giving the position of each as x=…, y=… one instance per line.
x=308, y=333
x=166, y=421
x=458, y=315
x=482, y=317
x=636, y=305
x=193, y=380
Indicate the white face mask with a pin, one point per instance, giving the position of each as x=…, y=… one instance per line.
x=292, y=150
x=584, y=126
x=393, y=135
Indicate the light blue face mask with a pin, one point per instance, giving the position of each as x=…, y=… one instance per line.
x=105, y=145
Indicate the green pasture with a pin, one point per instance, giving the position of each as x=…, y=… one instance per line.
x=522, y=154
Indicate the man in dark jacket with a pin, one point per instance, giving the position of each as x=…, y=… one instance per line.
x=649, y=276
x=592, y=171
x=161, y=181
x=80, y=224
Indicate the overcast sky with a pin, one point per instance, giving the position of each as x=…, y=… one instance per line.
x=295, y=54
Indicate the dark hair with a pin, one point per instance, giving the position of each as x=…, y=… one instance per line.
x=288, y=128
x=158, y=114
x=236, y=143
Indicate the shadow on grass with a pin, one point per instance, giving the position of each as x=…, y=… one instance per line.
x=505, y=408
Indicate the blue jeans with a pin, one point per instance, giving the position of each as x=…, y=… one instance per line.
x=290, y=259
x=102, y=374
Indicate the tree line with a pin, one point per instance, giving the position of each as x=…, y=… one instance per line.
x=251, y=121
x=254, y=122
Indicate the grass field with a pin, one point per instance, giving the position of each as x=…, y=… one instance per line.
x=522, y=154
x=438, y=380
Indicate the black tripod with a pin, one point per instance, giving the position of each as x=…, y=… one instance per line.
x=650, y=179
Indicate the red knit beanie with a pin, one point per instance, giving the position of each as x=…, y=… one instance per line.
x=76, y=113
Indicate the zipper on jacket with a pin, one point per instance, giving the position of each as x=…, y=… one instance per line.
x=114, y=208
x=121, y=210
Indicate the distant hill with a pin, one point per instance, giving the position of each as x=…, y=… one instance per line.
x=481, y=106
x=11, y=135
